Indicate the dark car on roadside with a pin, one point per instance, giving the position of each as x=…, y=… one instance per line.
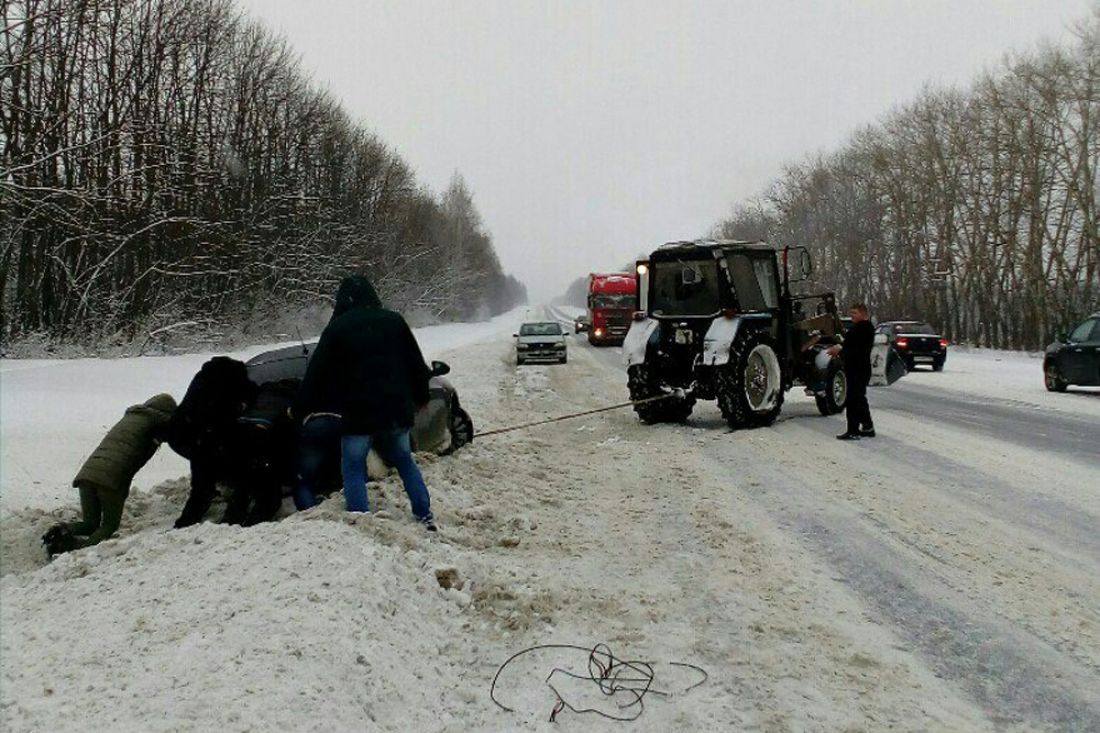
x=442, y=427
x=916, y=342
x=1075, y=357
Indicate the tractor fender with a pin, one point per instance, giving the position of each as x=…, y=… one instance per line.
x=719, y=340
x=637, y=340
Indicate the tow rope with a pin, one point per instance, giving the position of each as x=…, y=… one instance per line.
x=573, y=415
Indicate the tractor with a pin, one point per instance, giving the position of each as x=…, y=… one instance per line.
x=716, y=320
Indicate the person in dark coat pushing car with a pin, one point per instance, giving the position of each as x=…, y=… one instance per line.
x=367, y=371
x=856, y=354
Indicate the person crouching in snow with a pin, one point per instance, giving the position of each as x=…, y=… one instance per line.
x=104, y=479
x=368, y=369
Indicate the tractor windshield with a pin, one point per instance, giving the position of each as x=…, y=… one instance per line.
x=685, y=288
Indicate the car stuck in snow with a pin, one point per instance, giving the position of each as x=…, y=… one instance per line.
x=442, y=427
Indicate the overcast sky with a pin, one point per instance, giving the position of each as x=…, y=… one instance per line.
x=590, y=132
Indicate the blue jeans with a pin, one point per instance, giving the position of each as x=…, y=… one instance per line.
x=394, y=445
x=319, y=440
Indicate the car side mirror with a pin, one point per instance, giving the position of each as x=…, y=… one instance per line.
x=881, y=338
x=439, y=368
x=515, y=335
x=1063, y=337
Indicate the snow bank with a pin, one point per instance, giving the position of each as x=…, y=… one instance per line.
x=213, y=628
x=1013, y=376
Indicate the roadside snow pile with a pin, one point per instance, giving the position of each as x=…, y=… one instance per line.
x=218, y=628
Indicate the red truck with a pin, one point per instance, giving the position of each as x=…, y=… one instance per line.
x=612, y=300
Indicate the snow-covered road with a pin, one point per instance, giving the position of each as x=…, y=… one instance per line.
x=943, y=576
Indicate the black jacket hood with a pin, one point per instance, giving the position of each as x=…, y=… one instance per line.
x=355, y=292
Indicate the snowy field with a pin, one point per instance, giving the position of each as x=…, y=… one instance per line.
x=944, y=576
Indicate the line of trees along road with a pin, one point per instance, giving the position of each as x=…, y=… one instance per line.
x=975, y=209
x=169, y=159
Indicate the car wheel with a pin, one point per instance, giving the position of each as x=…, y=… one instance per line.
x=519, y=361
x=1053, y=382
x=461, y=428
x=937, y=366
x=564, y=359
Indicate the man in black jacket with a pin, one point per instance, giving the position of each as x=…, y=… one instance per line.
x=856, y=354
x=368, y=371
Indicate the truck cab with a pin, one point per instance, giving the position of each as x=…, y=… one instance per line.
x=612, y=300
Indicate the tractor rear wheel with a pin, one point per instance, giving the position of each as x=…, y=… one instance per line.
x=750, y=385
x=643, y=385
x=836, y=390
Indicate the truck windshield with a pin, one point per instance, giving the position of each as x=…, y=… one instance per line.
x=609, y=300
x=685, y=288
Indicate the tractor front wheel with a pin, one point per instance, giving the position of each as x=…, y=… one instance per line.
x=835, y=396
x=644, y=385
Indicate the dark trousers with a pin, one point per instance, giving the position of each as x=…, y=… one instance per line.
x=206, y=469
x=319, y=445
x=101, y=513
x=264, y=462
x=857, y=410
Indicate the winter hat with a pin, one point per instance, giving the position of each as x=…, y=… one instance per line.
x=355, y=292
x=162, y=402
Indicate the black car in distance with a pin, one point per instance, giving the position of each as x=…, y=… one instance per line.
x=1074, y=358
x=916, y=342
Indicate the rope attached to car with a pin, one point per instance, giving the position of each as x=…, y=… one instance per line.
x=573, y=415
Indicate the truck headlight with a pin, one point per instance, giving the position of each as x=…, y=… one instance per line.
x=559, y=346
x=521, y=347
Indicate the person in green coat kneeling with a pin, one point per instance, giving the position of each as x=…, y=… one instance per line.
x=104, y=479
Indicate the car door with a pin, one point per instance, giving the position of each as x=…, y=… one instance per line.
x=1080, y=360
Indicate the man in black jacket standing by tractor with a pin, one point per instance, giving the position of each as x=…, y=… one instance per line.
x=856, y=354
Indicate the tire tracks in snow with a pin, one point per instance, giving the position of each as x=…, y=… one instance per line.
x=984, y=576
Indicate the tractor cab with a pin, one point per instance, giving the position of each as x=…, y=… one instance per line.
x=717, y=320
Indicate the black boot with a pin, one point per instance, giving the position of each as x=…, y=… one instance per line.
x=848, y=436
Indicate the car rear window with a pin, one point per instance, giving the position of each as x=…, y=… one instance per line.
x=917, y=329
